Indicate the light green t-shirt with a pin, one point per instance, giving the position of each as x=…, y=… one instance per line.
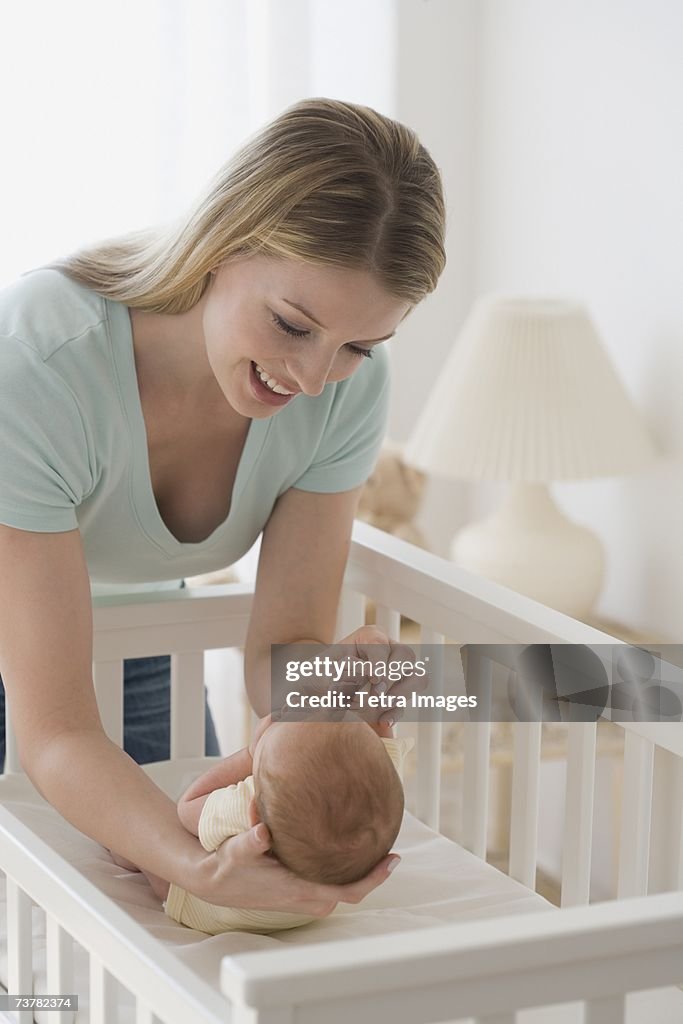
x=73, y=446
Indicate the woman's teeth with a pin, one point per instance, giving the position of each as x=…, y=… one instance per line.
x=271, y=382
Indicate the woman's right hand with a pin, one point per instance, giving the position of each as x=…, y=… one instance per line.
x=243, y=873
x=363, y=645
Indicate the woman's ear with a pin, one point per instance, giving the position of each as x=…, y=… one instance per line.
x=254, y=816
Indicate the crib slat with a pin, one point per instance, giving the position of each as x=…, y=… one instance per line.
x=429, y=773
x=187, y=704
x=475, y=811
x=477, y=744
x=143, y=1014
x=634, y=843
x=611, y=1010
x=524, y=804
x=59, y=950
x=108, y=679
x=102, y=993
x=429, y=736
x=351, y=613
x=578, y=814
x=389, y=621
x=666, y=841
x=19, y=944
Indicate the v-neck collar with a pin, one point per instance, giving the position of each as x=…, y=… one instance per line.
x=142, y=493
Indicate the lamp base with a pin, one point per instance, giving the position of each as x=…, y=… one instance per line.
x=531, y=547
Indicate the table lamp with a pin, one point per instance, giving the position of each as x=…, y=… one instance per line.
x=528, y=395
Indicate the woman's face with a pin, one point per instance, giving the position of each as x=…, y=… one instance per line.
x=255, y=327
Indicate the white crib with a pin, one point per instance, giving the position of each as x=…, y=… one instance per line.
x=586, y=955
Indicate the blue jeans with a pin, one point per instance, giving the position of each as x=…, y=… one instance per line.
x=146, y=712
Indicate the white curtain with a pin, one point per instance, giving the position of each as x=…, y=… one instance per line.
x=116, y=114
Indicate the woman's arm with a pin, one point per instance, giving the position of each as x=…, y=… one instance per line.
x=45, y=661
x=46, y=665
x=303, y=555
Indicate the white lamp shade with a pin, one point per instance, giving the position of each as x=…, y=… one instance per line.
x=529, y=394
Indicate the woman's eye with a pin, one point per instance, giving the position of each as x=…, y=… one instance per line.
x=295, y=332
x=357, y=351
x=287, y=328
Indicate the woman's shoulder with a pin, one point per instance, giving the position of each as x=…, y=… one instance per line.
x=44, y=308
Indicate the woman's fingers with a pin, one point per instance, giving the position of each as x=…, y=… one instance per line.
x=248, y=845
x=354, y=892
x=365, y=635
x=363, y=665
x=371, y=644
x=252, y=877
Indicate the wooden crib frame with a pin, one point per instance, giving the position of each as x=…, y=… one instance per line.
x=487, y=970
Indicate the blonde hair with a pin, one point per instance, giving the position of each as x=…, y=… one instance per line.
x=325, y=182
x=334, y=808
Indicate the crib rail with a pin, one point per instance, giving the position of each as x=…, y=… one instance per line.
x=182, y=623
x=461, y=606
x=486, y=969
x=76, y=911
x=448, y=603
x=438, y=596
x=634, y=943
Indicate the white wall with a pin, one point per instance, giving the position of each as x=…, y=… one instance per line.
x=435, y=84
x=575, y=188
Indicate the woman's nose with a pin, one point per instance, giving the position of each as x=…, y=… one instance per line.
x=312, y=372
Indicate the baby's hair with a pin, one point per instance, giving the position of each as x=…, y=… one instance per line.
x=336, y=811
x=326, y=182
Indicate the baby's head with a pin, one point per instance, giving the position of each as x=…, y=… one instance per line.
x=330, y=796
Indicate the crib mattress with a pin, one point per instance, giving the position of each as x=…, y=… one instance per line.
x=436, y=882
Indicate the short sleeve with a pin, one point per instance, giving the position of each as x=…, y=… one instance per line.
x=44, y=464
x=225, y=813
x=353, y=434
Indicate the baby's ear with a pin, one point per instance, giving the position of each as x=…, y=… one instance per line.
x=254, y=816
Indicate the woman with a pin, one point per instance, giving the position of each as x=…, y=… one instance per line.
x=166, y=398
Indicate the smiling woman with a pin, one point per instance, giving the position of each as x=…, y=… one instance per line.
x=167, y=397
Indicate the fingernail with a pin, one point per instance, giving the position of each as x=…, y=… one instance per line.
x=390, y=722
x=380, y=687
x=393, y=864
x=261, y=834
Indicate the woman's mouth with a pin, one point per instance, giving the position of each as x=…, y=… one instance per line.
x=268, y=389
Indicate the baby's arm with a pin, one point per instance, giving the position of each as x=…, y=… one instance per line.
x=229, y=771
x=190, y=811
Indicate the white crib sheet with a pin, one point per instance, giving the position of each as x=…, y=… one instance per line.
x=437, y=882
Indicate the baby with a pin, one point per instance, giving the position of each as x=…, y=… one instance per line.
x=331, y=797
